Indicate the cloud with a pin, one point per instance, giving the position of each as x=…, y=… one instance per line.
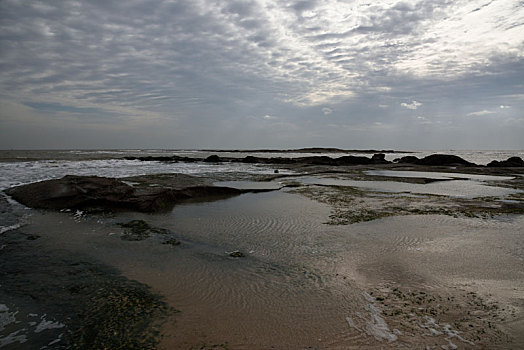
x=412, y=105
x=327, y=110
x=203, y=65
x=480, y=113
x=269, y=117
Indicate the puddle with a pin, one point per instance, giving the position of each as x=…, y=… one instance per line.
x=251, y=185
x=437, y=175
x=451, y=188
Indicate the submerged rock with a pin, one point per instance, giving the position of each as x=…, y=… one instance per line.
x=136, y=230
x=171, y=241
x=510, y=162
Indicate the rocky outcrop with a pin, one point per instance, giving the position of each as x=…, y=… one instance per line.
x=212, y=159
x=509, y=163
x=100, y=193
x=443, y=159
x=407, y=160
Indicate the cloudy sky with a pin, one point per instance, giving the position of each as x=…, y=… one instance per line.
x=428, y=74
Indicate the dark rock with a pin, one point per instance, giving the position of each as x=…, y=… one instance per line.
x=74, y=192
x=317, y=160
x=251, y=159
x=443, y=159
x=236, y=254
x=136, y=230
x=407, y=159
x=510, y=162
x=87, y=192
x=212, y=159
x=353, y=160
x=379, y=158
x=171, y=241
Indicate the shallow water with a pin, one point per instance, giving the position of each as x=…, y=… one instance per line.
x=300, y=279
x=451, y=188
x=437, y=175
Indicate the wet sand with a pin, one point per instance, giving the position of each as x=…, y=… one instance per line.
x=408, y=281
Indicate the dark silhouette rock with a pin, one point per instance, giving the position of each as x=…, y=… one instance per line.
x=379, y=158
x=443, y=159
x=251, y=159
x=353, y=160
x=213, y=159
x=510, y=162
x=407, y=159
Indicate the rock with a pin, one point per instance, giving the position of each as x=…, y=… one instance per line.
x=236, y=254
x=136, y=230
x=443, y=159
x=74, y=192
x=353, y=160
x=171, y=241
x=407, y=159
x=212, y=159
x=510, y=162
x=379, y=158
x=92, y=192
x=251, y=160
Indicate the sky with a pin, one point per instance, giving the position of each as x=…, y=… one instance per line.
x=355, y=74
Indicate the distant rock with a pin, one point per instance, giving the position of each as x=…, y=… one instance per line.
x=379, y=158
x=213, y=159
x=407, y=159
x=443, y=159
x=353, y=160
x=510, y=162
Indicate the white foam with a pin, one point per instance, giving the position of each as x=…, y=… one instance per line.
x=44, y=324
x=377, y=326
x=13, y=338
x=4, y=229
x=6, y=317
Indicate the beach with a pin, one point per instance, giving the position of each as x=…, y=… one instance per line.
x=391, y=255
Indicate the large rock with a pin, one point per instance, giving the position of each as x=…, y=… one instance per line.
x=379, y=158
x=212, y=159
x=510, y=162
x=443, y=159
x=95, y=193
x=407, y=159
